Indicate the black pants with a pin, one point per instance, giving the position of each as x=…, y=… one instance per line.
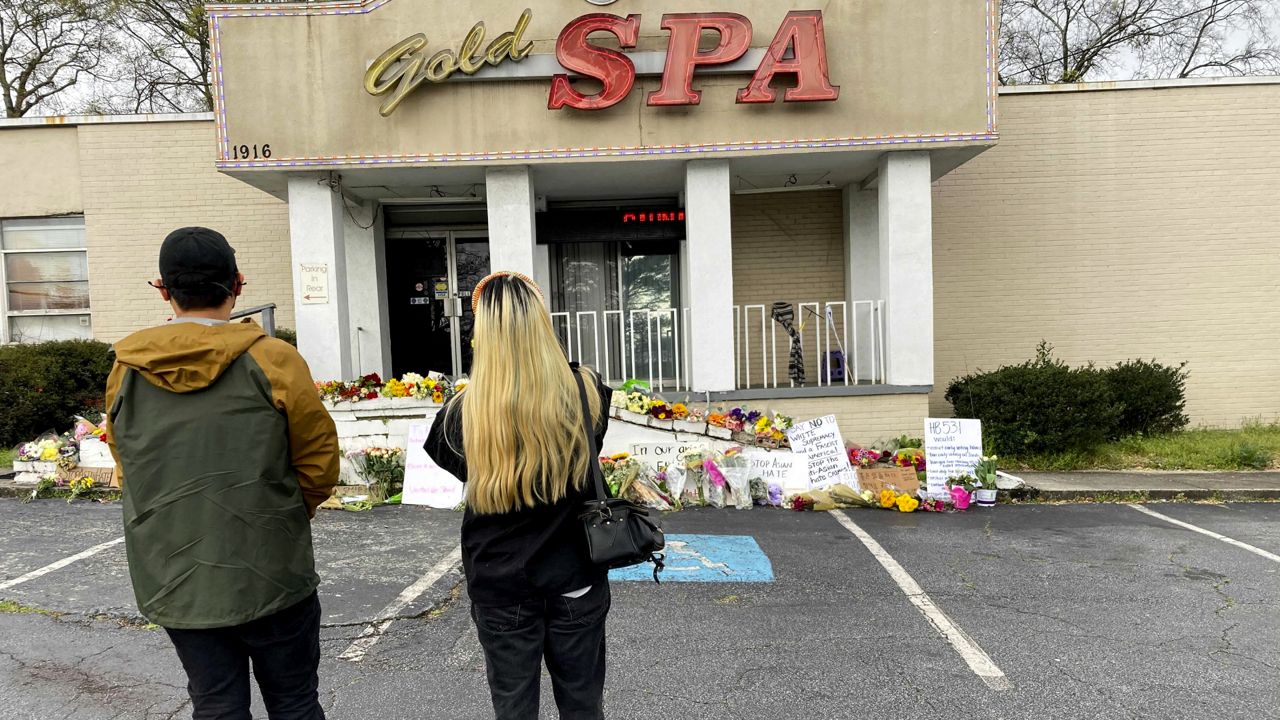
x=285, y=650
x=567, y=632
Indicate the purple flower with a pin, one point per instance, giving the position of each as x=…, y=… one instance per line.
x=736, y=413
x=753, y=416
x=775, y=494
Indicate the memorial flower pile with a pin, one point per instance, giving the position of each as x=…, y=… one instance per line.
x=372, y=387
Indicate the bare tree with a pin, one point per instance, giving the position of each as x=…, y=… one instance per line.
x=166, y=55
x=47, y=46
x=1067, y=41
x=1224, y=38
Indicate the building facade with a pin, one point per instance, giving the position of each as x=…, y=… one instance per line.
x=687, y=230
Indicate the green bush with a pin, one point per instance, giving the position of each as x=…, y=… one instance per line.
x=287, y=335
x=1039, y=406
x=1153, y=397
x=43, y=386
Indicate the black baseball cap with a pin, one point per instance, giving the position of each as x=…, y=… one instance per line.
x=195, y=257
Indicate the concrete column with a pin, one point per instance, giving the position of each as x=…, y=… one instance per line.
x=542, y=271
x=512, y=232
x=709, y=268
x=366, y=290
x=906, y=266
x=316, y=238
x=862, y=276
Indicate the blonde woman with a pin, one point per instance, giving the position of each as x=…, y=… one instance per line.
x=515, y=436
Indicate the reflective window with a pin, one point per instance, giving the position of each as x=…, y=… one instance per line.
x=45, y=276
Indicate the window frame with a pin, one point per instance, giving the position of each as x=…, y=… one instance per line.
x=6, y=314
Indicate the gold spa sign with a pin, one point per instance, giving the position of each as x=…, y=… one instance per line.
x=404, y=67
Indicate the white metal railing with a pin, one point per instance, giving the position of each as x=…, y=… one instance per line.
x=649, y=345
x=842, y=343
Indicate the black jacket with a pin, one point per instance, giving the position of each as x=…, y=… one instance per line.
x=529, y=554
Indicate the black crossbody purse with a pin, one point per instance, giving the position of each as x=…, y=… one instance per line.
x=620, y=533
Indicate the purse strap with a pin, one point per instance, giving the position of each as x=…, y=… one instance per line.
x=593, y=460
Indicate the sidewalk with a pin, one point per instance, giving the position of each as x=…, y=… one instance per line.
x=1154, y=485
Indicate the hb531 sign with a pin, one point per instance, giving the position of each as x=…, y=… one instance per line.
x=798, y=50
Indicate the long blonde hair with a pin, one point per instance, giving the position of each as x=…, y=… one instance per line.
x=522, y=430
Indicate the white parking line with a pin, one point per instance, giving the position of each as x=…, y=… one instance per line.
x=1195, y=528
x=371, y=634
x=58, y=565
x=973, y=655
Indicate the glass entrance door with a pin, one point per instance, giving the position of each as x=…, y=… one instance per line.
x=431, y=275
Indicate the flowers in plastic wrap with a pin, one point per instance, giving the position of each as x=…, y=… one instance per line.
x=659, y=410
x=680, y=411
x=775, y=494
x=910, y=457
x=735, y=469
x=888, y=498
x=382, y=468
x=960, y=497
x=620, y=471
x=638, y=402
x=859, y=457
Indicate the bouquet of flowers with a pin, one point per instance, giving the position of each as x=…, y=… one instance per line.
x=734, y=468
x=382, y=469
x=858, y=457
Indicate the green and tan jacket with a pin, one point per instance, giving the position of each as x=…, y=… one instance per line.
x=224, y=450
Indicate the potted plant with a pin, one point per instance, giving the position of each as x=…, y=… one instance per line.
x=985, y=473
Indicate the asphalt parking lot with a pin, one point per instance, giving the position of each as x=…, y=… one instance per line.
x=1034, y=611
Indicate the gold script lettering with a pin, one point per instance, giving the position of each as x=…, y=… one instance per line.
x=405, y=66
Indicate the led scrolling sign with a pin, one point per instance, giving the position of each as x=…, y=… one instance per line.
x=799, y=49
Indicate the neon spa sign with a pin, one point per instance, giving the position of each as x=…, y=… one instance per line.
x=799, y=49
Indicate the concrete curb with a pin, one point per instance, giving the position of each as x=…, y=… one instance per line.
x=1102, y=495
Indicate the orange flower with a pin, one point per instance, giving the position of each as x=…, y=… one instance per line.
x=680, y=411
x=716, y=419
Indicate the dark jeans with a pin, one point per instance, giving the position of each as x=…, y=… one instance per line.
x=285, y=650
x=567, y=632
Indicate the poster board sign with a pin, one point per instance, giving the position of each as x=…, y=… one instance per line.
x=426, y=483
x=899, y=480
x=951, y=448
x=821, y=441
x=787, y=469
x=660, y=455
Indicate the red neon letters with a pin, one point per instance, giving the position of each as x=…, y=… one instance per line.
x=683, y=53
x=801, y=35
x=613, y=69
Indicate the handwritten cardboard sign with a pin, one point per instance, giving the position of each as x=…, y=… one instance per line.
x=899, y=480
x=951, y=449
x=787, y=469
x=660, y=455
x=426, y=483
x=821, y=441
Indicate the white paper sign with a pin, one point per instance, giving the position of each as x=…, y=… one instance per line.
x=660, y=455
x=787, y=469
x=426, y=483
x=313, y=284
x=821, y=441
x=951, y=449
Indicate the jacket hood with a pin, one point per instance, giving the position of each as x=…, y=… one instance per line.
x=185, y=357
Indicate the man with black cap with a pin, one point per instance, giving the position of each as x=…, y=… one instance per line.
x=225, y=451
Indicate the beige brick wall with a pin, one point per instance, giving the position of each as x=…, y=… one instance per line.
x=39, y=172
x=141, y=181
x=1121, y=224
x=787, y=246
x=863, y=420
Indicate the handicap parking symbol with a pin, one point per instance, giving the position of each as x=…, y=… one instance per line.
x=706, y=559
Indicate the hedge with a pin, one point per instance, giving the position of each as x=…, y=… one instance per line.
x=44, y=386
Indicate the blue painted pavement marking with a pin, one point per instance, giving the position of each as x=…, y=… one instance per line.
x=707, y=559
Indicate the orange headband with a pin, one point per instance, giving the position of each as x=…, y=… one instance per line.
x=475, y=296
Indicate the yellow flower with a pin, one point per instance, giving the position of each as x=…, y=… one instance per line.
x=680, y=411
x=907, y=504
x=430, y=384
x=620, y=456
x=888, y=498
x=49, y=453
x=437, y=397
